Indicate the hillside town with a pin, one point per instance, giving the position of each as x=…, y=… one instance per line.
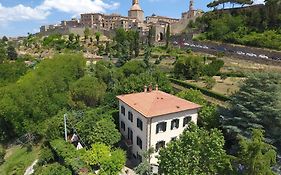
x=109, y=94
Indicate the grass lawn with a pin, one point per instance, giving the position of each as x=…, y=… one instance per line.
x=17, y=159
x=226, y=87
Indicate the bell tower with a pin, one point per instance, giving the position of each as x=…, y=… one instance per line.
x=136, y=11
x=191, y=5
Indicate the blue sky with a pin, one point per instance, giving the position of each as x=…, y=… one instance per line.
x=17, y=17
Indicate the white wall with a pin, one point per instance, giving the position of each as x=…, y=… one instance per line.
x=148, y=134
x=169, y=134
x=133, y=125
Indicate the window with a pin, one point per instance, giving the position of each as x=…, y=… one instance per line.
x=123, y=110
x=175, y=124
x=139, y=123
x=159, y=145
x=186, y=120
x=139, y=142
x=130, y=135
x=123, y=125
x=130, y=116
x=161, y=127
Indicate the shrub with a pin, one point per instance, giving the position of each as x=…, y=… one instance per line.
x=2, y=154
x=53, y=169
x=213, y=68
x=67, y=154
x=46, y=156
x=210, y=82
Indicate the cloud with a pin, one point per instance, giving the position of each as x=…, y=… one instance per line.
x=74, y=7
x=21, y=12
x=78, y=6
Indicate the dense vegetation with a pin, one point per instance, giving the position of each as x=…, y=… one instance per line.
x=254, y=26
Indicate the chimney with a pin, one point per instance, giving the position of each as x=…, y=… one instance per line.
x=156, y=87
x=145, y=88
x=150, y=88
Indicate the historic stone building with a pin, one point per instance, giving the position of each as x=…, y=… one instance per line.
x=135, y=20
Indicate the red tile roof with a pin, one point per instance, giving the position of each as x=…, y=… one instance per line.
x=156, y=103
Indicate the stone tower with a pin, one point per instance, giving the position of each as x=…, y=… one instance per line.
x=136, y=11
x=191, y=5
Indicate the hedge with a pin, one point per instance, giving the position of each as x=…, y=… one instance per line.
x=204, y=91
x=68, y=155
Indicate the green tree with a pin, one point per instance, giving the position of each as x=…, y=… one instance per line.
x=257, y=105
x=87, y=33
x=53, y=169
x=87, y=91
x=197, y=151
x=133, y=67
x=12, y=53
x=71, y=37
x=189, y=67
x=150, y=37
x=136, y=43
x=98, y=35
x=208, y=114
x=108, y=160
x=255, y=155
x=97, y=126
x=168, y=36
x=144, y=168
x=5, y=39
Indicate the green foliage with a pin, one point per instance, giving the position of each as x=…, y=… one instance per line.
x=208, y=114
x=255, y=155
x=168, y=37
x=96, y=125
x=189, y=67
x=133, y=67
x=12, y=53
x=2, y=154
x=197, y=151
x=67, y=153
x=144, y=168
x=5, y=39
x=54, y=41
x=98, y=35
x=257, y=105
x=135, y=83
x=256, y=26
x=39, y=94
x=108, y=160
x=53, y=169
x=46, y=156
x=210, y=82
x=213, y=68
x=87, y=33
x=203, y=90
x=126, y=45
x=87, y=91
x=11, y=72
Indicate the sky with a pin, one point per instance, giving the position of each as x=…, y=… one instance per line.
x=18, y=17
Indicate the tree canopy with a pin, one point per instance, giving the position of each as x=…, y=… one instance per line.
x=197, y=151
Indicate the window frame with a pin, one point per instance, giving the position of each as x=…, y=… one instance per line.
x=139, y=142
x=162, y=143
x=130, y=116
x=175, y=124
x=123, y=124
x=188, y=121
x=139, y=124
x=163, y=129
x=123, y=110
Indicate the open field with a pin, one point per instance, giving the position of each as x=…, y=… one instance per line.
x=17, y=159
x=226, y=87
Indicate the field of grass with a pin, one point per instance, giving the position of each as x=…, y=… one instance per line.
x=226, y=87
x=17, y=159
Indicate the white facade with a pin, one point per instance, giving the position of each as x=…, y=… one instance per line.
x=148, y=134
